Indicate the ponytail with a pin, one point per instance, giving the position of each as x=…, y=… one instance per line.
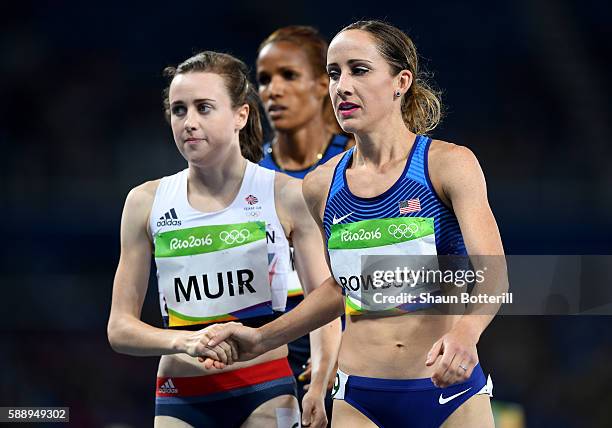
x=421, y=107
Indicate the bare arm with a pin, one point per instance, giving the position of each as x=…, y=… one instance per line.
x=464, y=184
x=127, y=334
x=313, y=271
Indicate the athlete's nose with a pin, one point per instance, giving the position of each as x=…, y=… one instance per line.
x=191, y=120
x=344, y=84
x=276, y=87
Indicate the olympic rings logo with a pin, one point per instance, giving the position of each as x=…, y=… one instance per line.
x=234, y=236
x=403, y=230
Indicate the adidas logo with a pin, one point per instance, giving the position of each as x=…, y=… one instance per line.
x=169, y=219
x=168, y=388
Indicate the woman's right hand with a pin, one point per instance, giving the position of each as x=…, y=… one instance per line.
x=245, y=342
x=195, y=344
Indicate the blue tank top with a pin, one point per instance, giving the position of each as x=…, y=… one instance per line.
x=412, y=195
x=336, y=146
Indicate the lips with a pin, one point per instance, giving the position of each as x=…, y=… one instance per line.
x=346, y=108
x=193, y=140
x=276, y=110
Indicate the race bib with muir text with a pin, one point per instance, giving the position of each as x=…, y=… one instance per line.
x=214, y=273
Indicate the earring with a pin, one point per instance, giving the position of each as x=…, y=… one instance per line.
x=398, y=94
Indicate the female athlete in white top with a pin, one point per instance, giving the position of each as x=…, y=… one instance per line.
x=218, y=231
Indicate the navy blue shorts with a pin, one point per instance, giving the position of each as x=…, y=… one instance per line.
x=414, y=403
x=225, y=399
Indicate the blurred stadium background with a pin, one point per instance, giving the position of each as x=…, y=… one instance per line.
x=526, y=85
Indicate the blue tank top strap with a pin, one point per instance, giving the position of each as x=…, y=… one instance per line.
x=337, y=182
x=339, y=141
x=267, y=161
x=335, y=147
x=417, y=170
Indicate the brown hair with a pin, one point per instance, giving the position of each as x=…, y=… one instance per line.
x=310, y=41
x=241, y=91
x=421, y=105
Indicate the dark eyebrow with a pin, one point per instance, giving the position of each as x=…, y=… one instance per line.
x=287, y=68
x=280, y=69
x=350, y=62
x=353, y=61
x=199, y=100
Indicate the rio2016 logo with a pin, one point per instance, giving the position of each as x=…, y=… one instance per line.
x=360, y=235
x=191, y=242
x=403, y=230
x=234, y=236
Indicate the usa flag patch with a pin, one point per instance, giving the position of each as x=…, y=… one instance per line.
x=410, y=206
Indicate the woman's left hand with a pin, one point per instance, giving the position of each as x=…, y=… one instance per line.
x=454, y=357
x=313, y=405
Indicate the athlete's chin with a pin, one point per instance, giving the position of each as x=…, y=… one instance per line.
x=284, y=124
x=350, y=126
x=200, y=158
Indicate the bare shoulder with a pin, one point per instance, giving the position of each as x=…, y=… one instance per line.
x=143, y=194
x=138, y=205
x=444, y=155
x=453, y=169
x=286, y=187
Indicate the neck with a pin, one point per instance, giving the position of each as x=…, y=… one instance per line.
x=221, y=178
x=300, y=148
x=384, y=144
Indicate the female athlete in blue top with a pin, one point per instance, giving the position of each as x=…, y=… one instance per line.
x=396, y=192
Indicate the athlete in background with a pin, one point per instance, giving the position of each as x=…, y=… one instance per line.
x=293, y=88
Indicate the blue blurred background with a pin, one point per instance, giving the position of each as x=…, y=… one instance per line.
x=526, y=86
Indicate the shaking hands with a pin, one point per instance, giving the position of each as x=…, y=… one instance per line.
x=224, y=344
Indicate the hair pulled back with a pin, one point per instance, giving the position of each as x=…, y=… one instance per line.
x=421, y=105
x=235, y=75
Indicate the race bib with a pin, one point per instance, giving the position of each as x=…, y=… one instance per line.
x=214, y=273
x=348, y=243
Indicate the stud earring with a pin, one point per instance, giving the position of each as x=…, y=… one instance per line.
x=398, y=94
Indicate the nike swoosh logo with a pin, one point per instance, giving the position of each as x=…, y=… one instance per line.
x=443, y=400
x=338, y=220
